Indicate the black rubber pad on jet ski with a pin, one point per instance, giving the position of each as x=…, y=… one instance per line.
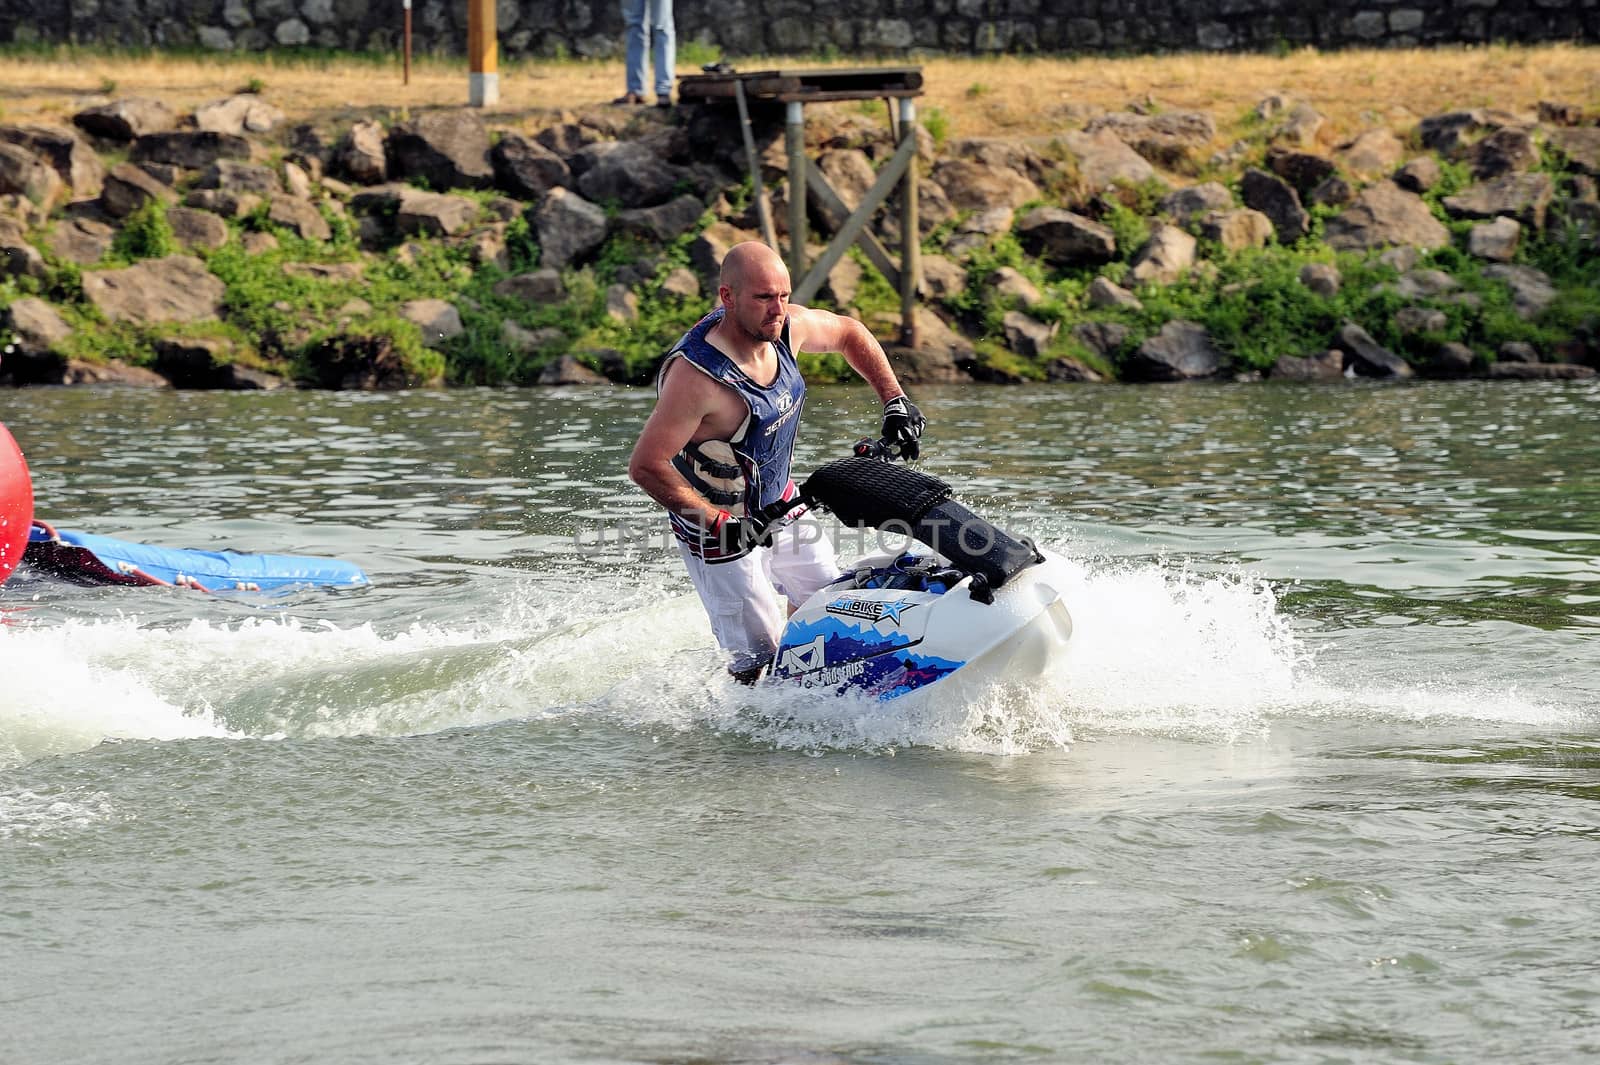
x=871, y=493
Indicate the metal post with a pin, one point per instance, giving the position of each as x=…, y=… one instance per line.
x=910, y=233
x=483, y=81
x=758, y=187
x=795, y=138
x=406, y=37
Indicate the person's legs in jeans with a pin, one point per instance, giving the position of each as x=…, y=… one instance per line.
x=663, y=48
x=633, y=38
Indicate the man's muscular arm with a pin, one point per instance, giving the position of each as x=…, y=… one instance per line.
x=819, y=330
x=687, y=398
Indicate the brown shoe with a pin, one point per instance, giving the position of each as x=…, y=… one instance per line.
x=626, y=99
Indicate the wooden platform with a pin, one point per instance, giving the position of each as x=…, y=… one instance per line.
x=803, y=86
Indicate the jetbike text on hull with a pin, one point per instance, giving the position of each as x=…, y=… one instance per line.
x=977, y=608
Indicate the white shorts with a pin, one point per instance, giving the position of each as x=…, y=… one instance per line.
x=741, y=596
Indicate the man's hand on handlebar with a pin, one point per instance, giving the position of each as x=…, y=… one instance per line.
x=902, y=426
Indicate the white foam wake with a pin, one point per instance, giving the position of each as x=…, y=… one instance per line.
x=1157, y=649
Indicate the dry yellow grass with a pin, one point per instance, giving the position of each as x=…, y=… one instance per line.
x=1008, y=95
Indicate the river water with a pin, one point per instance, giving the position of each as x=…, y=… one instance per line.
x=1316, y=782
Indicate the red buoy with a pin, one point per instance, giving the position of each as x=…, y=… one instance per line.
x=16, y=504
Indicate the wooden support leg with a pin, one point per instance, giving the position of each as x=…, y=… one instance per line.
x=759, y=187
x=795, y=136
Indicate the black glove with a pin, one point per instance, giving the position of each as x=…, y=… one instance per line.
x=739, y=536
x=902, y=425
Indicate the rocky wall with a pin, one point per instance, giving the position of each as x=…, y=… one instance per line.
x=544, y=28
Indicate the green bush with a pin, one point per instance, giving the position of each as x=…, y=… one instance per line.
x=145, y=234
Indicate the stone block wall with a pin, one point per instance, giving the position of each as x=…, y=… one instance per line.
x=545, y=28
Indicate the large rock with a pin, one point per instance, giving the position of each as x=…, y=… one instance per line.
x=360, y=154
x=114, y=373
x=568, y=138
x=1580, y=146
x=1103, y=338
x=299, y=217
x=1377, y=151
x=197, y=229
x=1301, y=124
x=630, y=175
x=1384, y=215
x=1304, y=170
x=1525, y=197
x=942, y=279
x=1496, y=241
x=226, y=204
x=539, y=287
x=529, y=341
x=438, y=320
x=664, y=223
x=127, y=188
x=1540, y=371
x=81, y=240
x=1323, y=279
x=1011, y=287
x=565, y=370
x=1505, y=151
x=18, y=257
x=1328, y=366
x=1237, y=229
x=1027, y=336
x=1186, y=204
x=177, y=288
x=209, y=363
x=975, y=186
x=125, y=119
x=849, y=173
x=1064, y=238
x=711, y=244
x=1104, y=292
x=447, y=149
x=1276, y=199
x=34, y=326
x=1531, y=290
x=187, y=149
x=434, y=214
x=1165, y=257
x=24, y=174
x=569, y=227
x=1367, y=356
x=1450, y=131
x=938, y=356
x=527, y=169
x=34, y=333
x=1182, y=351
x=65, y=152
x=1104, y=160
x=238, y=115
x=1174, y=139
x=231, y=175
x=1419, y=175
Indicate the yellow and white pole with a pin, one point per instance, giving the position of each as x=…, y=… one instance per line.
x=483, y=55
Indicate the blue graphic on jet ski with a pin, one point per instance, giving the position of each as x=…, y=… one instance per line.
x=897, y=624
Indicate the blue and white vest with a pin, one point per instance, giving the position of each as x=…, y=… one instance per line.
x=751, y=470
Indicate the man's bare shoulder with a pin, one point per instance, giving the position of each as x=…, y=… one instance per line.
x=814, y=329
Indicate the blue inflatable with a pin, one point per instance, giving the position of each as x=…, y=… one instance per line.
x=88, y=559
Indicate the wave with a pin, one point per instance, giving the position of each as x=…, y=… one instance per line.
x=1159, y=648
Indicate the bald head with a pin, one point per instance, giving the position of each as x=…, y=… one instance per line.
x=754, y=289
x=751, y=262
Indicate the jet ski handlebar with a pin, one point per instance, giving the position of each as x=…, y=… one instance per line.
x=888, y=451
